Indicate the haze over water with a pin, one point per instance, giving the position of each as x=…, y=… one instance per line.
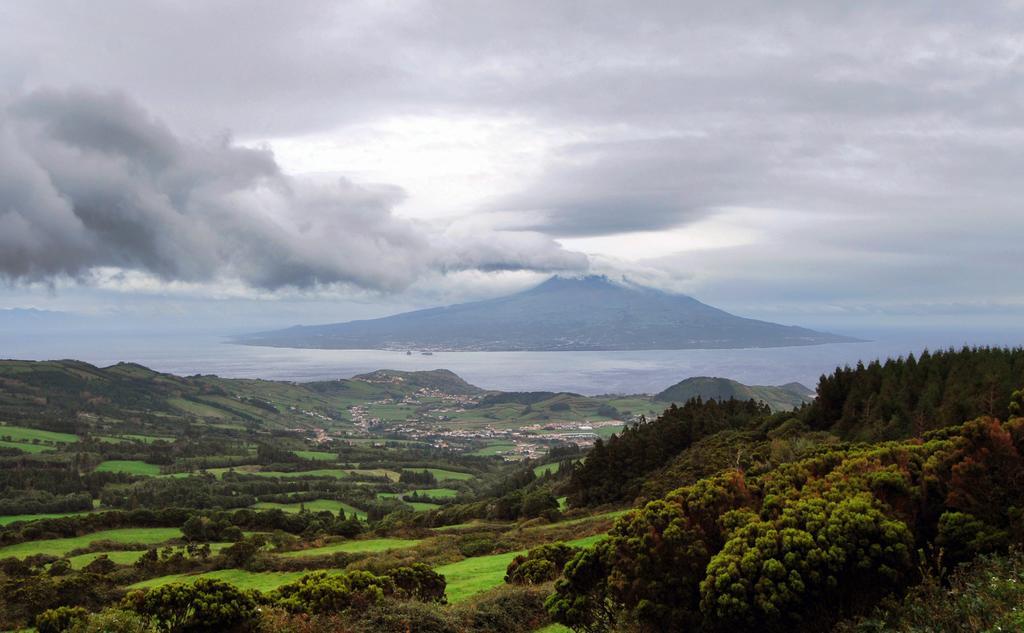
x=582, y=372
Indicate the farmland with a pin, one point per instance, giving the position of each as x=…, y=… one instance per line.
x=61, y=546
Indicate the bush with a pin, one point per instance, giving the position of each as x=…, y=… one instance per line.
x=60, y=619
x=206, y=606
x=319, y=593
x=419, y=582
x=984, y=596
x=113, y=621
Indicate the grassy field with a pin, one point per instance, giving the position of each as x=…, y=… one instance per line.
x=594, y=517
x=128, y=466
x=26, y=447
x=418, y=506
x=475, y=524
x=320, y=456
x=356, y=547
x=25, y=434
x=128, y=437
x=319, y=505
x=61, y=546
x=471, y=576
x=442, y=474
x=438, y=493
x=121, y=558
x=261, y=581
x=14, y=518
x=322, y=472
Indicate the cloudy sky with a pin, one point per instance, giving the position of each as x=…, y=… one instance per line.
x=274, y=162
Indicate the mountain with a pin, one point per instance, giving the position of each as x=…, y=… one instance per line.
x=589, y=313
x=781, y=398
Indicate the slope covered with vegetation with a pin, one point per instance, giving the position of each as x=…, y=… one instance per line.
x=866, y=510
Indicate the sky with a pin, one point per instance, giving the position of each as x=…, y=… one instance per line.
x=256, y=164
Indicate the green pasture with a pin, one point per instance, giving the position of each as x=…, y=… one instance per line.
x=61, y=546
x=320, y=456
x=471, y=576
x=26, y=434
x=14, y=518
x=26, y=447
x=261, y=581
x=129, y=467
x=318, y=505
x=442, y=474
x=355, y=547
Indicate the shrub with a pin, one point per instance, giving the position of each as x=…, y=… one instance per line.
x=113, y=621
x=319, y=593
x=60, y=619
x=206, y=606
x=540, y=564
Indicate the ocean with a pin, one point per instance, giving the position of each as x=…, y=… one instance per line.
x=589, y=373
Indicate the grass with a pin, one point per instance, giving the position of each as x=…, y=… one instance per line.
x=475, y=524
x=25, y=434
x=322, y=472
x=418, y=506
x=471, y=576
x=25, y=446
x=437, y=493
x=318, y=505
x=121, y=558
x=593, y=517
x=129, y=437
x=355, y=547
x=61, y=546
x=14, y=518
x=261, y=581
x=128, y=466
x=494, y=449
x=320, y=456
x=587, y=541
x=442, y=474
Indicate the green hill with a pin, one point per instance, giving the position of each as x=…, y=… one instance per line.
x=781, y=398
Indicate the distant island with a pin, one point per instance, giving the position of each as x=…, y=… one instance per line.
x=562, y=314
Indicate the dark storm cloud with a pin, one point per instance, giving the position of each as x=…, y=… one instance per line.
x=91, y=180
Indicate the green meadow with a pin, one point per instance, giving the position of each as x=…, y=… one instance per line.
x=129, y=467
x=25, y=434
x=318, y=505
x=320, y=456
x=261, y=581
x=61, y=546
x=442, y=474
x=26, y=447
x=14, y=518
x=471, y=576
x=356, y=547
